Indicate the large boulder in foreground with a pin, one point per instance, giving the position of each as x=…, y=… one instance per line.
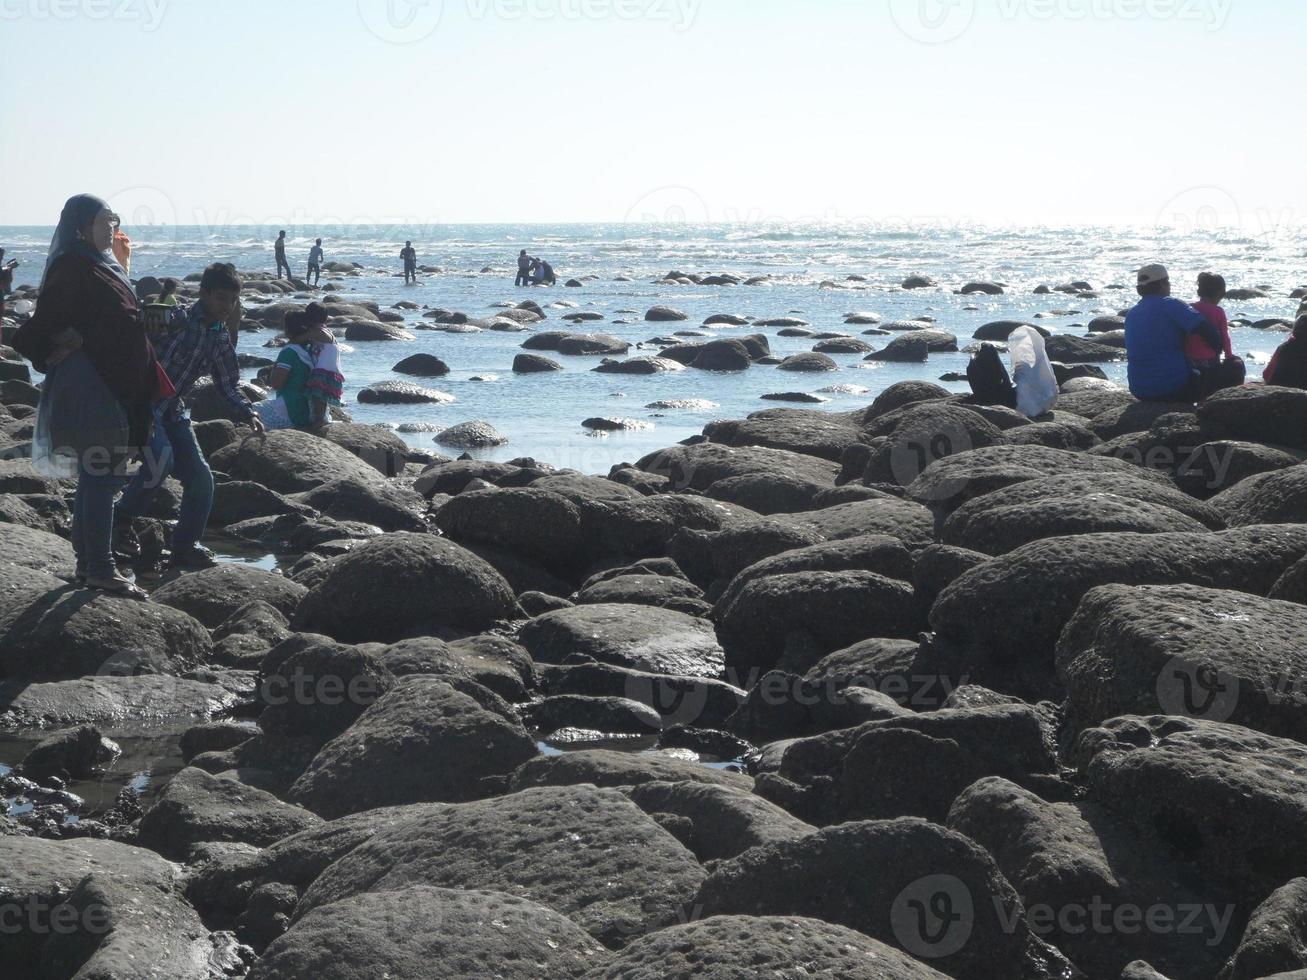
x=723, y=820
x=1275, y=940
x=1012, y=608
x=912, y=884
x=424, y=742
x=645, y=638
x=420, y=932
x=550, y=846
x=773, y=946
x=128, y=918
x=196, y=807
x=1260, y=413
x=213, y=594
x=1077, y=856
x=1213, y=654
x=1228, y=799
x=148, y=700
x=69, y=633
x=396, y=584
x=290, y=461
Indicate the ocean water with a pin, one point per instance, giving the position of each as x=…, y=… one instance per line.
x=809, y=266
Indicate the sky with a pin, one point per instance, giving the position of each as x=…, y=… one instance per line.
x=1002, y=112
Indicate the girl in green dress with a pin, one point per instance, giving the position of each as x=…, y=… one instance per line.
x=290, y=375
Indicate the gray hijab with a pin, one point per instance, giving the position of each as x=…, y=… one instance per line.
x=78, y=212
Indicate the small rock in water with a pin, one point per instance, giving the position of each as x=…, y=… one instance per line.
x=471, y=435
x=693, y=404
x=845, y=390
x=421, y=427
x=484, y=377
x=794, y=396
x=615, y=424
x=401, y=393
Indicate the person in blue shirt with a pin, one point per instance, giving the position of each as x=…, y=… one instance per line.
x=1155, y=334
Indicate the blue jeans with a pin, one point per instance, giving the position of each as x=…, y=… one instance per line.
x=173, y=449
x=93, y=520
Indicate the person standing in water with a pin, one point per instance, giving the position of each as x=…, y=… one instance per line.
x=6, y=279
x=315, y=263
x=523, y=269
x=410, y=256
x=280, y=250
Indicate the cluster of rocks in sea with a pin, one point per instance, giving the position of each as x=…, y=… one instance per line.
x=924, y=689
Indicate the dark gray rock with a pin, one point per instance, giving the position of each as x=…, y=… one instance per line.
x=822, y=876
x=1183, y=650
x=779, y=946
x=422, y=742
x=431, y=932
x=546, y=845
x=214, y=594
x=195, y=807
x=638, y=637
x=368, y=593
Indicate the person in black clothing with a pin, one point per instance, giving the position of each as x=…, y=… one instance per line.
x=989, y=380
x=544, y=274
x=410, y=256
x=1288, y=368
x=523, y=269
x=280, y=250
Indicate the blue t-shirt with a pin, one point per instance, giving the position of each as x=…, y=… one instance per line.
x=1155, y=332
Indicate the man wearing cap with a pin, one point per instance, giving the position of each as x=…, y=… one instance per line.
x=1155, y=332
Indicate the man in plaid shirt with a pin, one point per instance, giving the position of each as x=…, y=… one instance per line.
x=191, y=343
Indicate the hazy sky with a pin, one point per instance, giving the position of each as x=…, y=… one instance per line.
x=999, y=111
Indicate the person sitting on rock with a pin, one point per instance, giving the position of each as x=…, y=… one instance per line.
x=1155, y=333
x=1288, y=367
x=1231, y=372
x=525, y=266
x=315, y=263
x=410, y=257
x=191, y=343
x=990, y=383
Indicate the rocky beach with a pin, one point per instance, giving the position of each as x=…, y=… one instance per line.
x=681, y=620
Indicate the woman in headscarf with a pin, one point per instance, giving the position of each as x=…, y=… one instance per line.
x=88, y=338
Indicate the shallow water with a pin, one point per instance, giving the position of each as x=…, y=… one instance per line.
x=541, y=414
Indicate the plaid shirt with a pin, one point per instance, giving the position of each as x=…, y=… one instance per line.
x=192, y=347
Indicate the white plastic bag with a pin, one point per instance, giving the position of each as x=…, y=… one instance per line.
x=274, y=413
x=1032, y=373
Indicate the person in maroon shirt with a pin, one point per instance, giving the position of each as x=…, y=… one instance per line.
x=87, y=306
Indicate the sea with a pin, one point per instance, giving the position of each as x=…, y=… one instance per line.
x=818, y=272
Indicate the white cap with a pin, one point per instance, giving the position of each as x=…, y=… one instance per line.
x=1150, y=274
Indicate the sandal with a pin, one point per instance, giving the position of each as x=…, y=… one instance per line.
x=117, y=585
